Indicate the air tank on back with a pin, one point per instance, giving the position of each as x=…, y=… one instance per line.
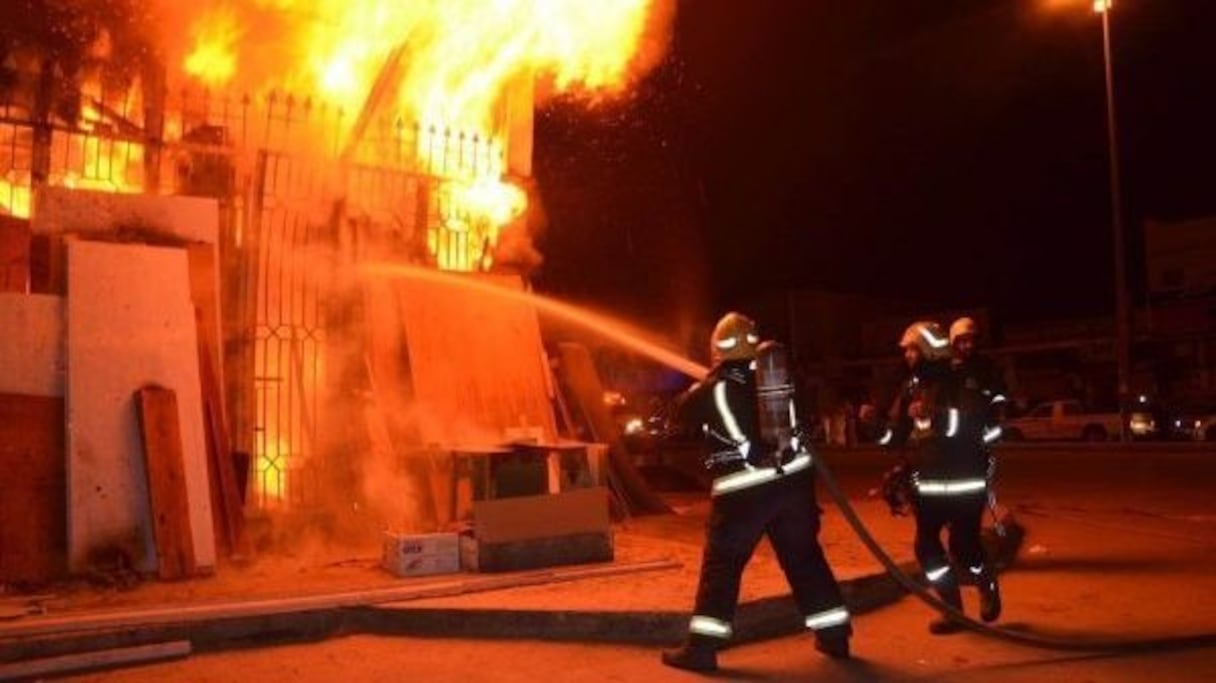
x=775, y=390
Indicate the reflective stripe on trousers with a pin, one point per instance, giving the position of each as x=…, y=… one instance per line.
x=828, y=618
x=754, y=477
x=949, y=487
x=709, y=626
x=935, y=575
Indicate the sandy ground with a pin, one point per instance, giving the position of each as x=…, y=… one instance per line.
x=1118, y=546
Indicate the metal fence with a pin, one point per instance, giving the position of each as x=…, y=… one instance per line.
x=285, y=175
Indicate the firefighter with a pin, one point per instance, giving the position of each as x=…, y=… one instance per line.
x=947, y=471
x=759, y=488
x=980, y=395
x=979, y=378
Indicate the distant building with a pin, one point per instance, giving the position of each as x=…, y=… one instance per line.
x=845, y=344
x=1180, y=258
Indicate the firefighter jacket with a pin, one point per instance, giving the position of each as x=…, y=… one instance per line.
x=724, y=407
x=980, y=394
x=943, y=440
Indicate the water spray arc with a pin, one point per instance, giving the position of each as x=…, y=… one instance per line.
x=619, y=333
x=614, y=330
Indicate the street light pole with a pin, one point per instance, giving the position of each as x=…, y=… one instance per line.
x=1122, y=319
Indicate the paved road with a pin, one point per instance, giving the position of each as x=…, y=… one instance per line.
x=1119, y=544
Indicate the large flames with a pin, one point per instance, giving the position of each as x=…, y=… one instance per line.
x=460, y=54
x=464, y=74
x=448, y=65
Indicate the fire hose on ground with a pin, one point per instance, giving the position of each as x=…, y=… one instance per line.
x=1103, y=644
x=776, y=417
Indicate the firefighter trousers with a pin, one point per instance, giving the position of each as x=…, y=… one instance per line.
x=960, y=515
x=785, y=510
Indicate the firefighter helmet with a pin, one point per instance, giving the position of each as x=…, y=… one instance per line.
x=963, y=327
x=927, y=337
x=734, y=338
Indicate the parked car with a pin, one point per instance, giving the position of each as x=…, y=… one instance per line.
x=1205, y=428
x=1200, y=423
x=1063, y=419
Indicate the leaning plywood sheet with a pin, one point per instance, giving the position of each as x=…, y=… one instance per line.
x=476, y=360
x=130, y=323
x=31, y=344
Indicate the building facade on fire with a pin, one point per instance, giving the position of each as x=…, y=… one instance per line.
x=299, y=184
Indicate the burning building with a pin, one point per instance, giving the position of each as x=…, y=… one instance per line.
x=329, y=135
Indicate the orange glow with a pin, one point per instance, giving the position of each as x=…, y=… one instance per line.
x=87, y=156
x=460, y=54
x=605, y=326
x=15, y=194
x=213, y=59
x=447, y=65
x=270, y=470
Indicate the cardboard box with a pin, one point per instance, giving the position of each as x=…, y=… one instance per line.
x=530, y=532
x=420, y=554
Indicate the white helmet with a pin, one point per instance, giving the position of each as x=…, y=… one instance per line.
x=734, y=338
x=963, y=327
x=926, y=336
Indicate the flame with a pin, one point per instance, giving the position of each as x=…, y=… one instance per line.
x=213, y=59
x=270, y=471
x=86, y=155
x=449, y=64
x=460, y=53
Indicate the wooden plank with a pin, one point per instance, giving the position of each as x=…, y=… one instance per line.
x=88, y=661
x=203, y=260
x=130, y=323
x=14, y=254
x=33, y=536
x=160, y=430
x=476, y=361
x=32, y=354
x=226, y=506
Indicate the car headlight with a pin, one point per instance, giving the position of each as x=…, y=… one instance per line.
x=634, y=425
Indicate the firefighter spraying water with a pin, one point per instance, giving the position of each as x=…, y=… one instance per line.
x=763, y=485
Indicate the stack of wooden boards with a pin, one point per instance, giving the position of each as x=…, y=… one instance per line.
x=115, y=451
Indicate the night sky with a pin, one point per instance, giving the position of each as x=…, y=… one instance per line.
x=951, y=152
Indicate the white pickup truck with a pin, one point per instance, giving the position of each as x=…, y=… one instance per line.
x=1065, y=419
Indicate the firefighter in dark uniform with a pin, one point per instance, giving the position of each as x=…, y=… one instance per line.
x=947, y=470
x=759, y=488
x=979, y=377
x=980, y=394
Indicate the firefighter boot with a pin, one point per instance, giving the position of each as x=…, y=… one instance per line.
x=698, y=653
x=834, y=642
x=949, y=592
x=990, y=596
